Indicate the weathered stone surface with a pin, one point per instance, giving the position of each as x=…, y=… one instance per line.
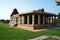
x=35, y=18
x=45, y=37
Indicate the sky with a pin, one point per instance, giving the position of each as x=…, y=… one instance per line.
x=7, y=6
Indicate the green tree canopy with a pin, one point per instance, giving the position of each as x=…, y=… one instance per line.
x=59, y=15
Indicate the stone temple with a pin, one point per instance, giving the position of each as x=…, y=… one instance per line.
x=35, y=19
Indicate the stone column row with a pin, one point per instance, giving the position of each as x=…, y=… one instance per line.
x=22, y=19
x=50, y=19
x=33, y=17
x=45, y=19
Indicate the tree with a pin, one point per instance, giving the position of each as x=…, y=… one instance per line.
x=59, y=15
x=4, y=21
x=58, y=2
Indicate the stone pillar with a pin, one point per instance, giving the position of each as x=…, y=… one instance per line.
x=46, y=19
x=19, y=20
x=49, y=19
x=33, y=19
x=52, y=19
x=22, y=19
x=14, y=20
x=27, y=19
x=39, y=19
x=43, y=19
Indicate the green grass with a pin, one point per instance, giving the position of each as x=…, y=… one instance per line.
x=11, y=33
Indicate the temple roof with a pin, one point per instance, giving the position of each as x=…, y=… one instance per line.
x=38, y=12
x=14, y=12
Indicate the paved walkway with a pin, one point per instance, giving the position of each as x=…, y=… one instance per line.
x=44, y=37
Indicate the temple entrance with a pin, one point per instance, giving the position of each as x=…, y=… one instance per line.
x=30, y=19
x=36, y=19
x=16, y=20
x=41, y=19
x=25, y=19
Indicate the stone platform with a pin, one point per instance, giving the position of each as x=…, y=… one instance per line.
x=30, y=28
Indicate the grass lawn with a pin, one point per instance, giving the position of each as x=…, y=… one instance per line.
x=11, y=33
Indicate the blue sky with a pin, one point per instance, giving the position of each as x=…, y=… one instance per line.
x=7, y=6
